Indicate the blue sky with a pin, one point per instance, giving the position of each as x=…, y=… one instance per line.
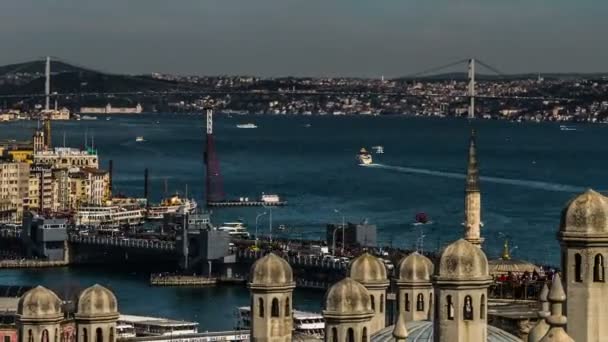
x=307, y=37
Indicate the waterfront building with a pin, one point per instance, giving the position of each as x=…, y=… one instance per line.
x=371, y=273
x=109, y=109
x=56, y=114
x=14, y=188
x=353, y=235
x=21, y=154
x=44, y=238
x=415, y=289
x=40, y=193
x=67, y=157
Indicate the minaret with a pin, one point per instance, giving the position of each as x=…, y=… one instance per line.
x=557, y=321
x=461, y=291
x=583, y=237
x=415, y=289
x=541, y=327
x=472, y=202
x=371, y=273
x=271, y=299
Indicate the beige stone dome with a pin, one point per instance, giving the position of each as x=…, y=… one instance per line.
x=368, y=269
x=416, y=268
x=96, y=302
x=585, y=215
x=271, y=270
x=39, y=303
x=347, y=297
x=462, y=260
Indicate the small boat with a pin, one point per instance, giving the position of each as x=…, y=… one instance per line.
x=86, y=117
x=282, y=227
x=379, y=149
x=308, y=125
x=247, y=125
x=108, y=118
x=566, y=128
x=364, y=157
x=140, y=139
x=422, y=218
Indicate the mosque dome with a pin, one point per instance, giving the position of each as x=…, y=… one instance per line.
x=422, y=331
x=461, y=260
x=585, y=215
x=368, y=269
x=347, y=297
x=96, y=302
x=39, y=303
x=271, y=270
x=415, y=268
x=505, y=265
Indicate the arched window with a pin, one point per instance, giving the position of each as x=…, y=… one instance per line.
x=373, y=302
x=449, y=307
x=578, y=272
x=350, y=336
x=398, y=302
x=364, y=335
x=467, y=309
x=407, y=302
x=381, y=303
x=98, y=335
x=274, y=311
x=598, y=269
x=431, y=309
x=482, y=307
x=85, y=335
x=56, y=338
x=45, y=336
x=287, y=307
x=420, y=302
x=111, y=334
x=334, y=335
x=30, y=337
x=261, y=307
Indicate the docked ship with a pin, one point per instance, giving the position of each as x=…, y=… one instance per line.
x=364, y=157
x=171, y=205
x=109, y=216
x=305, y=324
x=237, y=230
x=247, y=125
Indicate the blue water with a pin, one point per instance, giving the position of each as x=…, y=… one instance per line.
x=529, y=171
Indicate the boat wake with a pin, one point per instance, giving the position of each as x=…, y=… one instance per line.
x=518, y=182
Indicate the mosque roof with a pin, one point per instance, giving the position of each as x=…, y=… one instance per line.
x=422, y=331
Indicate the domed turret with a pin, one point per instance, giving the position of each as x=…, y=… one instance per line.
x=270, y=271
x=585, y=216
x=97, y=302
x=39, y=304
x=347, y=297
x=367, y=268
x=462, y=260
x=415, y=268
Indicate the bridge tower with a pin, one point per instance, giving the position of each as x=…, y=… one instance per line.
x=472, y=88
x=214, y=186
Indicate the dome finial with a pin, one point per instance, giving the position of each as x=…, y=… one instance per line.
x=400, y=331
x=557, y=320
x=506, y=254
x=541, y=327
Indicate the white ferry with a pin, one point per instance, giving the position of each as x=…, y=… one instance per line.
x=86, y=117
x=153, y=326
x=125, y=330
x=364, y=157
x=247, y=125
x=236, y=229
x=304, y=323
x=171, y=205
x=108, y=216
x=140, y=139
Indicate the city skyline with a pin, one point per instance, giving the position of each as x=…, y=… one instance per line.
x=279, y=38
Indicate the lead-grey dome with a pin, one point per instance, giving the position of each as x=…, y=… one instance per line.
x=422, y=331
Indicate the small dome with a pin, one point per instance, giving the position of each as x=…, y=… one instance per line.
x=502, y=266
x=368, y=269
x=39, y=303
x=586, y=214
x=96, y=301
x=462, y=260
x=271, y=270
x=347, y=297
x=415, y=268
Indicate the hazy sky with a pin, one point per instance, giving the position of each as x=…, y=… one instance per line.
x=307, y=37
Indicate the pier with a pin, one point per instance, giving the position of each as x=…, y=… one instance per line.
x=245, y=204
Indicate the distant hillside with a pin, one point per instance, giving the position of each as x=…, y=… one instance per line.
x=461, y=76
x=38, y=67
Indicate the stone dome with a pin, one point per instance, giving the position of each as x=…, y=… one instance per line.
x=368, y=269
x=415, y=268
x=271, y=270
x=39, y=303
x=96, y=302
x=585, y=215
x=347, y=297
x=461, y=260
x=422, y=331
